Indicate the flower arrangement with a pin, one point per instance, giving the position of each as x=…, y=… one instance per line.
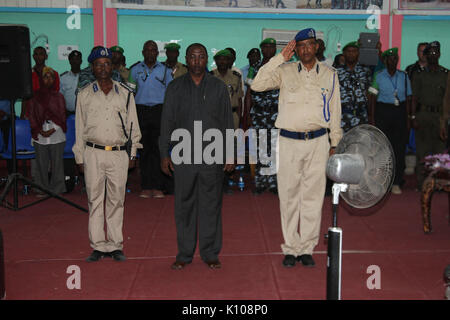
x=438, y=162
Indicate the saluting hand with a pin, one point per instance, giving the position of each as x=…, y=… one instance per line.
x=288, y=51
x=167, y=166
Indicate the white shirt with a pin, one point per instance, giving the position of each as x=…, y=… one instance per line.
x=57, y=137
x=68, y=85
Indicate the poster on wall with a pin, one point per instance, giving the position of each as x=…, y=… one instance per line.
x=424, y=5
x=252, y=5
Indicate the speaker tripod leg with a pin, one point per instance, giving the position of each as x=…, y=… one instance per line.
x=12, y=181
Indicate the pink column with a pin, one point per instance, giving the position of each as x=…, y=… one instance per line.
x=111, y=24
x=97, y=10
x=397, y=34
x=111, y=27
x=384, y=31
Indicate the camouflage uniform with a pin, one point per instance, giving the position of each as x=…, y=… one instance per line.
x=354, y=85
x=263, y=115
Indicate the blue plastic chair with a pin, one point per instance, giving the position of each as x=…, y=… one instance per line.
x=70, y=137
x=24, y=148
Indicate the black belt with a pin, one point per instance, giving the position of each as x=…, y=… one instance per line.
x=234, y=109
x=421, y=107
x=303, y=135
x=107, y=148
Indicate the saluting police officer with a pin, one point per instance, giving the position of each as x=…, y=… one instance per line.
x=309, y=104
x=428, y=88
x=105, y=118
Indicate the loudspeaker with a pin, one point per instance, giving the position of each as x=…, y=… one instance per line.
x=368, y=57
x=15, y=62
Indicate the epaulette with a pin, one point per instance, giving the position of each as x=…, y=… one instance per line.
x=128, y=86
x=237, y=73
x=134, y=65
x=84, y=87
x=64, y=73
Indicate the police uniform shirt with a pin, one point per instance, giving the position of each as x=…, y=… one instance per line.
x=384, y=86
x=151, y=83
x=429, y=86
x=68, y=87
x=309, y=100
x=233, y=81
x=97, y=119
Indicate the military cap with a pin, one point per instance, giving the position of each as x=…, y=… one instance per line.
x=99, y=53
x=432, y=45
x=268, y=41
x=223, y=53
x=305, y=34
x=389, y=52
x=75, y=53
x=117, y=49
x=172, y=46
x=352, y=44
x=253, y=50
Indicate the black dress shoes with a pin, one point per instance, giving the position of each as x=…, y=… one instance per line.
x=118, y=255
x=214, y=264
x=178, y=265
x=307, y=260
x=289, y=261
x=95, y=256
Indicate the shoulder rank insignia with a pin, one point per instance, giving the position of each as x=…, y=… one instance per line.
x=117, y=88
x=299, y=67
x=95, y=87
x=237, y=73
x=129, y=86
x=64, y=73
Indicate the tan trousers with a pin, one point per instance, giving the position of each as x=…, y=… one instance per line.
x=301, y=189
x=105, y=169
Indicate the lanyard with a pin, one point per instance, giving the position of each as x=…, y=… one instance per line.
x=326, y=104
x=392, y=82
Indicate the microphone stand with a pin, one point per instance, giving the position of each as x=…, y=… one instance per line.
x=14, y=177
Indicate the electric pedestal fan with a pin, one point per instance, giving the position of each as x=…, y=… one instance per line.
x=363, y=170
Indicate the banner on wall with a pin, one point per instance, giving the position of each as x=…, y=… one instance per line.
x=424, y=5
x=252, y=5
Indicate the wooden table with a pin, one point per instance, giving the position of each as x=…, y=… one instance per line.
x=436, y=180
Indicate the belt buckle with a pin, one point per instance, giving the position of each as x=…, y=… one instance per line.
x=108, y=148
x=306, y=135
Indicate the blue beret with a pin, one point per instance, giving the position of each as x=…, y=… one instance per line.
x=305, y=34
x=99, y=53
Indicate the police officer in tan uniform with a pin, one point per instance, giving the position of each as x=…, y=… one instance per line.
x=309, y=105
x=172, y=53
x=100, y=151
x=232, y=79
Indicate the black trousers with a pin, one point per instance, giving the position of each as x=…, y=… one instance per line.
x=198, y=210
x=391, y=119
x=149, y=162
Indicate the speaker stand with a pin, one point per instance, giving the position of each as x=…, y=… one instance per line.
x=14, y=177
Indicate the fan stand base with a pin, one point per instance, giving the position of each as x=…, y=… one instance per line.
x=334, y=252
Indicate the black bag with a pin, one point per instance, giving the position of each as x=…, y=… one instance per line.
x=129, y=143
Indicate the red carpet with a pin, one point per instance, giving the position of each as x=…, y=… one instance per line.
x=42, y=241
